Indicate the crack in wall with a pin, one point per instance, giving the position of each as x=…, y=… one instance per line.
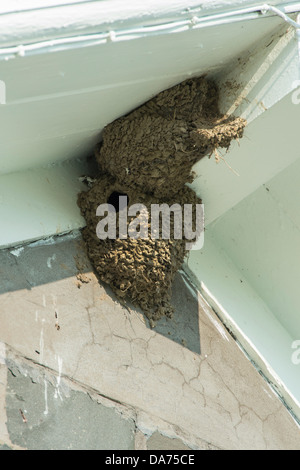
x=20, y=367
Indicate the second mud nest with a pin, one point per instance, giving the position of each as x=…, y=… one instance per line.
x=148, y=155
x=154, y=148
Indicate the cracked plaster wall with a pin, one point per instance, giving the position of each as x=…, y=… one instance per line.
x=70, y=351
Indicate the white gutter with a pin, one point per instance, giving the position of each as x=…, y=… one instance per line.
x=268, y=8
x=32, y=29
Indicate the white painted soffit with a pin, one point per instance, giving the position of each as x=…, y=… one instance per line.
x=31, y=21
x=106, y=75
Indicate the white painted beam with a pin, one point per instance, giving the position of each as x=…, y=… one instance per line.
x=40, y=203
x=58, y=101
x=33, y=20
x=270, y=145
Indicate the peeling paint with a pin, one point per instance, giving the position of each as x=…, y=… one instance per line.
x=41, y=350
x=50, y=260
x=2, y=353
x=17, y=251
x=46, y=397
x=58, y=379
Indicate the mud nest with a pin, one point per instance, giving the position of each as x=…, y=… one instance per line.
x=155, y=147
x=141, y=270
x=148, y=156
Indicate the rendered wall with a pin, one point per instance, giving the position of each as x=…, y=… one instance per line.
x=78, y=370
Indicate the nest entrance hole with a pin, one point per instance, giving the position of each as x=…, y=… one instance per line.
x=116, y=202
